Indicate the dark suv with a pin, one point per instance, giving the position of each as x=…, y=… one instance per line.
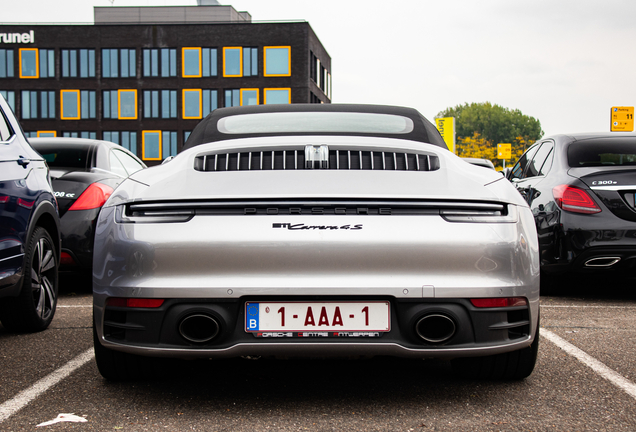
x=29, y=232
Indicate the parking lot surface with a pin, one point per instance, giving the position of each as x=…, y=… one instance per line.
x=53, y=372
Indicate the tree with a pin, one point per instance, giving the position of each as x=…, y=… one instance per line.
x=479, y=127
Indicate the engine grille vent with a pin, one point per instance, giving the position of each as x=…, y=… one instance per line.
x=297, y=160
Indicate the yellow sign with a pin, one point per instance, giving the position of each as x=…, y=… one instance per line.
x=446, y=128
x=504, y=151
x=622, y=119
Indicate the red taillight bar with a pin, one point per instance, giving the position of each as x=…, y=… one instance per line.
x=499, y=302
x=93, y=197
x=134, y=302
x=574, y=199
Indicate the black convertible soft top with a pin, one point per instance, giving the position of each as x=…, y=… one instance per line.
x=218, y=125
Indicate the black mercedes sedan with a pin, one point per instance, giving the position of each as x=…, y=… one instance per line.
x=84, y=173
x=29, y=232
x=581, y=190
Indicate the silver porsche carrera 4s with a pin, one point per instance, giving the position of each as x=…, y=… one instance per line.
x=317, y=231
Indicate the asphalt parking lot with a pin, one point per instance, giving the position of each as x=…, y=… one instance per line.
x=584, y=380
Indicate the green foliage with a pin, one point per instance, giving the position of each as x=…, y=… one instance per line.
x=479, y=127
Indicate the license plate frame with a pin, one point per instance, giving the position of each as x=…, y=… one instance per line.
x=328, y=316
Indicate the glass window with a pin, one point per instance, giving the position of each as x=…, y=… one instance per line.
x=210, y=101
x=192, y=104
x=160, y=104
x=169, y=144
x=126, y=139
x=131, y=164
x=29, y=67
x=120, y=104
x=277, y=96
x=88, y=104
x=186, y=135
x=119, y=63
x=208, y=61
x=290, y=122
x=6, y=63
x=232, y=97
x=78, y=63
x=232, y=61
x=47, y=63
x=191, y=62
x=250, y=61
x=160, y=62
x=78, y=104
x=46, y=134
x=66, y=155
x=9, y=96
x=6, y=131
x=127, y=104
x=539, y=160
x=151, y=145
x=249, y=97
x=80, y=134
x=520, y=166
x=277, y=61
x=602, y=152
x=38, y=104
x=116, y=166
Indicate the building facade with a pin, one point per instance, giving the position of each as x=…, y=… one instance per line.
x=143, y=77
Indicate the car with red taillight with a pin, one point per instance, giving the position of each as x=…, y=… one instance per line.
x=581, y=188
x=84, y=173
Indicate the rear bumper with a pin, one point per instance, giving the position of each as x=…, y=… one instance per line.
x=157, y=332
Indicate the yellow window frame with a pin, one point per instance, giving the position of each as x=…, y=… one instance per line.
x=183, y=108
x=42, y=133
x=276, y=89
x=143, y=144
x=79, y=105
x=240, y=74
x=183, y=63
x=265, y=61
x=119, y=92
x=251, y=89
x=37, y=63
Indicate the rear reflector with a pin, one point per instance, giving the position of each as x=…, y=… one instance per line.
x=66, y=259
x=134, y=302
x=499, y=302
x=93, y=197
x=574, y=199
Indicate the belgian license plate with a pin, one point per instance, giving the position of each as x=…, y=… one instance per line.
x=371, y=316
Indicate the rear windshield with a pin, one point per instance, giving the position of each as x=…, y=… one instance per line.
x=64, y=156
x=599, y=153
x=316, y=122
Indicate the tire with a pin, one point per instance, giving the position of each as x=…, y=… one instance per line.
x=33, y=309
x=515, y=365
x=119, y=366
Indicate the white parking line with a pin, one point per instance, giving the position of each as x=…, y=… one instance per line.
x=22, y=399
x=612, y=376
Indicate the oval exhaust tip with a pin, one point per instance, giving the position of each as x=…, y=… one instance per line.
x=435, y=328
x=199, y=328
x=602, y=262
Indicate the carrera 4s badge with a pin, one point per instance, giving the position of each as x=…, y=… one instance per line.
x=290, y=226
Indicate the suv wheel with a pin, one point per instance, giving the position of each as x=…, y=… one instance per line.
x=34, y=307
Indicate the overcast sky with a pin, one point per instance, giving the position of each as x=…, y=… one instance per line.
x=564, y=62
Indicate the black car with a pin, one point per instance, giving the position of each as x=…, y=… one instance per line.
x=29, y=232
x=84, y=173
x=581, y=190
